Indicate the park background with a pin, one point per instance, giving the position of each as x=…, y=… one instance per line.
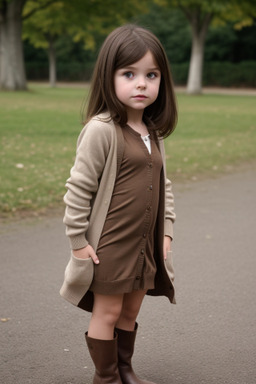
x=229, y=55
x=47, y=53
x=209, y=336
x=60, y=39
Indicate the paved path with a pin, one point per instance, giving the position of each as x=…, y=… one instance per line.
x=208, y=337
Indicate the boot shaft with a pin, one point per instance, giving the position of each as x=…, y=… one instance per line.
x=104, y=357
x=126, y=341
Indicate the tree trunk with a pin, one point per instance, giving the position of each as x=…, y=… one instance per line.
x=199, y=31
x=52, y=62
x=12, y=70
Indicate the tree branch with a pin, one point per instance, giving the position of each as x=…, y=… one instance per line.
x=185, y=11
x=206, y=22
x=39, y=8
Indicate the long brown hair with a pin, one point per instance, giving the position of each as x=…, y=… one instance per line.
x=124, y=46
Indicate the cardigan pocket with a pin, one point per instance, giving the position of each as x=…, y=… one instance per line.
x=79, y=271
x=169, y=266
x=77, y=279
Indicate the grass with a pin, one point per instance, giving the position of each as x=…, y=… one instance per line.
x=215, y=134
x=39, y=129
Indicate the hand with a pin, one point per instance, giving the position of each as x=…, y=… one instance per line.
x=85, y=253
x=167, y=245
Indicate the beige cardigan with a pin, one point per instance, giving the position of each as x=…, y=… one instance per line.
x=90, y=186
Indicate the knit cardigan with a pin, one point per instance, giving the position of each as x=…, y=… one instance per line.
x=90, y=186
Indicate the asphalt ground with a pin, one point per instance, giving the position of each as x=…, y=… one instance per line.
x=208, y=337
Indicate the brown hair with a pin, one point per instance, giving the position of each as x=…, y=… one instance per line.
x=123, y=47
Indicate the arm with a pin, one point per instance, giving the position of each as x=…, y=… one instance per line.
x=169, y=207
x=169, y=217
x=92, y=151
x=85, y=253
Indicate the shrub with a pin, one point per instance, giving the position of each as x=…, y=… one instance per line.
x=223, y=74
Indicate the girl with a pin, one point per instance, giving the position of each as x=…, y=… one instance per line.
x=119, y=204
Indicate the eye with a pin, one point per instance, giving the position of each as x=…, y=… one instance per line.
x=152, y=75
x=129, y=75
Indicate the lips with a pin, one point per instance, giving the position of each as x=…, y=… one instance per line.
x=140, y=97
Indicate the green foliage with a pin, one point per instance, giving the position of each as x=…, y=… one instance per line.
x=79, y=19
x=46, y=23
x=227, y=74
x=244, y=47
x=242, y=13
x=219, y=43
x=180, y=73
x=221, y=74
x=74, y=63
x=171, y=27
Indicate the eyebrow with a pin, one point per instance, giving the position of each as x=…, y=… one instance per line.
x=148, y=69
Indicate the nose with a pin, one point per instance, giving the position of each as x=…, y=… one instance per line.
x=141, y=84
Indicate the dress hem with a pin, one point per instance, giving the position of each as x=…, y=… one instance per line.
x=123, y=286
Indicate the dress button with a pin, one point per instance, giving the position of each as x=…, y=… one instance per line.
x=150, y=187
x=142, y=251
x=137, y=277
x=148, y=208
x=150, y=165
x=144, y=235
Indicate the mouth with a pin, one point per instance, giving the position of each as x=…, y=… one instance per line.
x=140, y=97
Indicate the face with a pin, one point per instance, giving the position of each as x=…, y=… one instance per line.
x=137, y=85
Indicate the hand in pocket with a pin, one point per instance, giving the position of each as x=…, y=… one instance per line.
x=85, y=253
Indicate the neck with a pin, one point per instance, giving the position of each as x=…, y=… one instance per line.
x=135, y=120
x=141, y=127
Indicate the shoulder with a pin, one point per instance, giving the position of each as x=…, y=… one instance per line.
x=100, y=124
x=100, y=128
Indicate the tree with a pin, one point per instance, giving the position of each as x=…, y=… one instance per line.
x=83, y=16
x=12, y=72
x=171, y=28
x=79, y=19
x=200, y=14
x=43, y=29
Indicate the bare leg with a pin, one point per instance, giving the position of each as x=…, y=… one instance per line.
x=126, y=330
x=130, y=310
x=106, y=312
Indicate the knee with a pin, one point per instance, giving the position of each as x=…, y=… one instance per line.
x=109, y=315
x=112, y=315
x=129, y=313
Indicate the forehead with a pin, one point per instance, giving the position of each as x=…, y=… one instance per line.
x=147, y=61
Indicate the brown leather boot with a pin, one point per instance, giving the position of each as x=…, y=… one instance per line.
x=104, y=357
x=125, y=346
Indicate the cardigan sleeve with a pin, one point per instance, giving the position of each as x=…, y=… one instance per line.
x=92, y=151
x=170, y=215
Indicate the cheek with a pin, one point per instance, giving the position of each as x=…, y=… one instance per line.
x=118, y=88
x=121, y=89
x=155, y=90
x=119, y=93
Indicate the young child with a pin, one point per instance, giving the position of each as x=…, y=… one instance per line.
x=119, y=204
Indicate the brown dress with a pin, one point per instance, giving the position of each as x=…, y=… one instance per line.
x=126, y=246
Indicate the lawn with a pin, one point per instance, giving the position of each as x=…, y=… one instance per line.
x=39, y=129
x=215, y=134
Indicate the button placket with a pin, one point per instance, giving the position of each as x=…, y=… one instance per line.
x=148, y=203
